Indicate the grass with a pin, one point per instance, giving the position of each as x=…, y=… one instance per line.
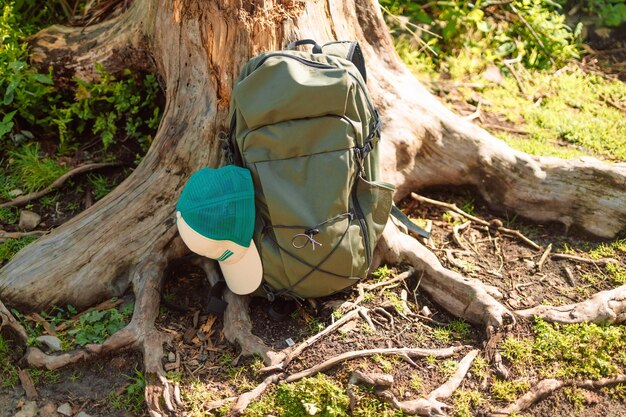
x=10, y=247
x=132, y=398
x=566, y=113
x=584, y=350
x=8, y=372
x=318, y=395
x=34, y=171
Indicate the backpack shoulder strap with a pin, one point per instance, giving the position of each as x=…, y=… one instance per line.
x=349, y=50
x=413, y=228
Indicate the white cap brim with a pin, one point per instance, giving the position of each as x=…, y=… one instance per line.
x=242, y=267
x=245, y=275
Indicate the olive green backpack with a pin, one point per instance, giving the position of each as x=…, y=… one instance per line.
x=305, y=126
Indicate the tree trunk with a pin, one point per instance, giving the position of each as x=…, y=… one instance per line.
x=197, y=48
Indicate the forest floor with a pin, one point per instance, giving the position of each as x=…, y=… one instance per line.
x=204, y=363
x=208, y=368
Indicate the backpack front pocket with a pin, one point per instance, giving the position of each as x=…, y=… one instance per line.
x=310, y=222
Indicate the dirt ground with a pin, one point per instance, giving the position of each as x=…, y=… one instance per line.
x=204, y=355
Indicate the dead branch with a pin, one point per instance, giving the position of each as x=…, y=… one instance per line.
x=457, y=237
x=246, y=398
x=411, y=352
x=7, y=320
x=569, y=276
x=17, y=235
x=602, y=261
x=429, y=406
x=22, y=200
x=361, y=288
x=543, y=258
x=445, y=391
x=603, y=307
x=547, y=386
x=454, y=208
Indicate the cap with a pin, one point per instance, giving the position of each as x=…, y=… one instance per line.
x=215, y=218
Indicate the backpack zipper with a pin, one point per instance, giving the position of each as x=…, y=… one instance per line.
x=304, y=61
x=357, y=207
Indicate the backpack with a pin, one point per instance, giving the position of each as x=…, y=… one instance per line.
x=305, y=126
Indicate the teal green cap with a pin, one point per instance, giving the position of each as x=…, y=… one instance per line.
x=219, y=204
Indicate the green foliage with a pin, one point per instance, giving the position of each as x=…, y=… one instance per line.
x=465, y=402
x=531, y=30
x=8, y=372
x=317, y=395
x=617, y=273
x=132, y=398
x=109, y=109
x=518, y=351
x=8, y=214
x=612, y=13
x=383, y=273
x=508, y=391
x=585, y=350
x=96, y=326
x=34, y=171
x=10, y=247
x=369, y=405
x=100, y=184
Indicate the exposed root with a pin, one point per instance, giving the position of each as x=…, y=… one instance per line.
x=475, y=219
x=410, y=352
x=7, y=320
x=140, y=333
x=603, y=307
x=293, y=352
x=22, y=200
x=237, y=321
x=548, y=386
x=429, y=406
x=463, y=297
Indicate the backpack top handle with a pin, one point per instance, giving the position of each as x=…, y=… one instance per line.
x=316, y=48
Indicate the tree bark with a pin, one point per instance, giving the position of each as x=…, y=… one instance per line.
x=196, y=48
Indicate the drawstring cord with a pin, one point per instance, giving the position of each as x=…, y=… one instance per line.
x=307, y=238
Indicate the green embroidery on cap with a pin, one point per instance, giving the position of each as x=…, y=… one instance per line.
x=225, y=256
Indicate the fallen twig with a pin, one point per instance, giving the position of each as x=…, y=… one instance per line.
x=602, y=261
x=454, y=208
x=20, y=201
x=547, y=386
x=17, y=235
x=543, y=258
x=457, y=237
x=569, y=276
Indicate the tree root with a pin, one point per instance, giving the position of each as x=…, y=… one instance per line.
x=7, y=320
x=410, y=352
x=547, y=386
x=246, y=398
x=140, y=333
x=237, y=322
x=22, y=200
x=463, y=297
x=429, y=406
x=603, y=307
